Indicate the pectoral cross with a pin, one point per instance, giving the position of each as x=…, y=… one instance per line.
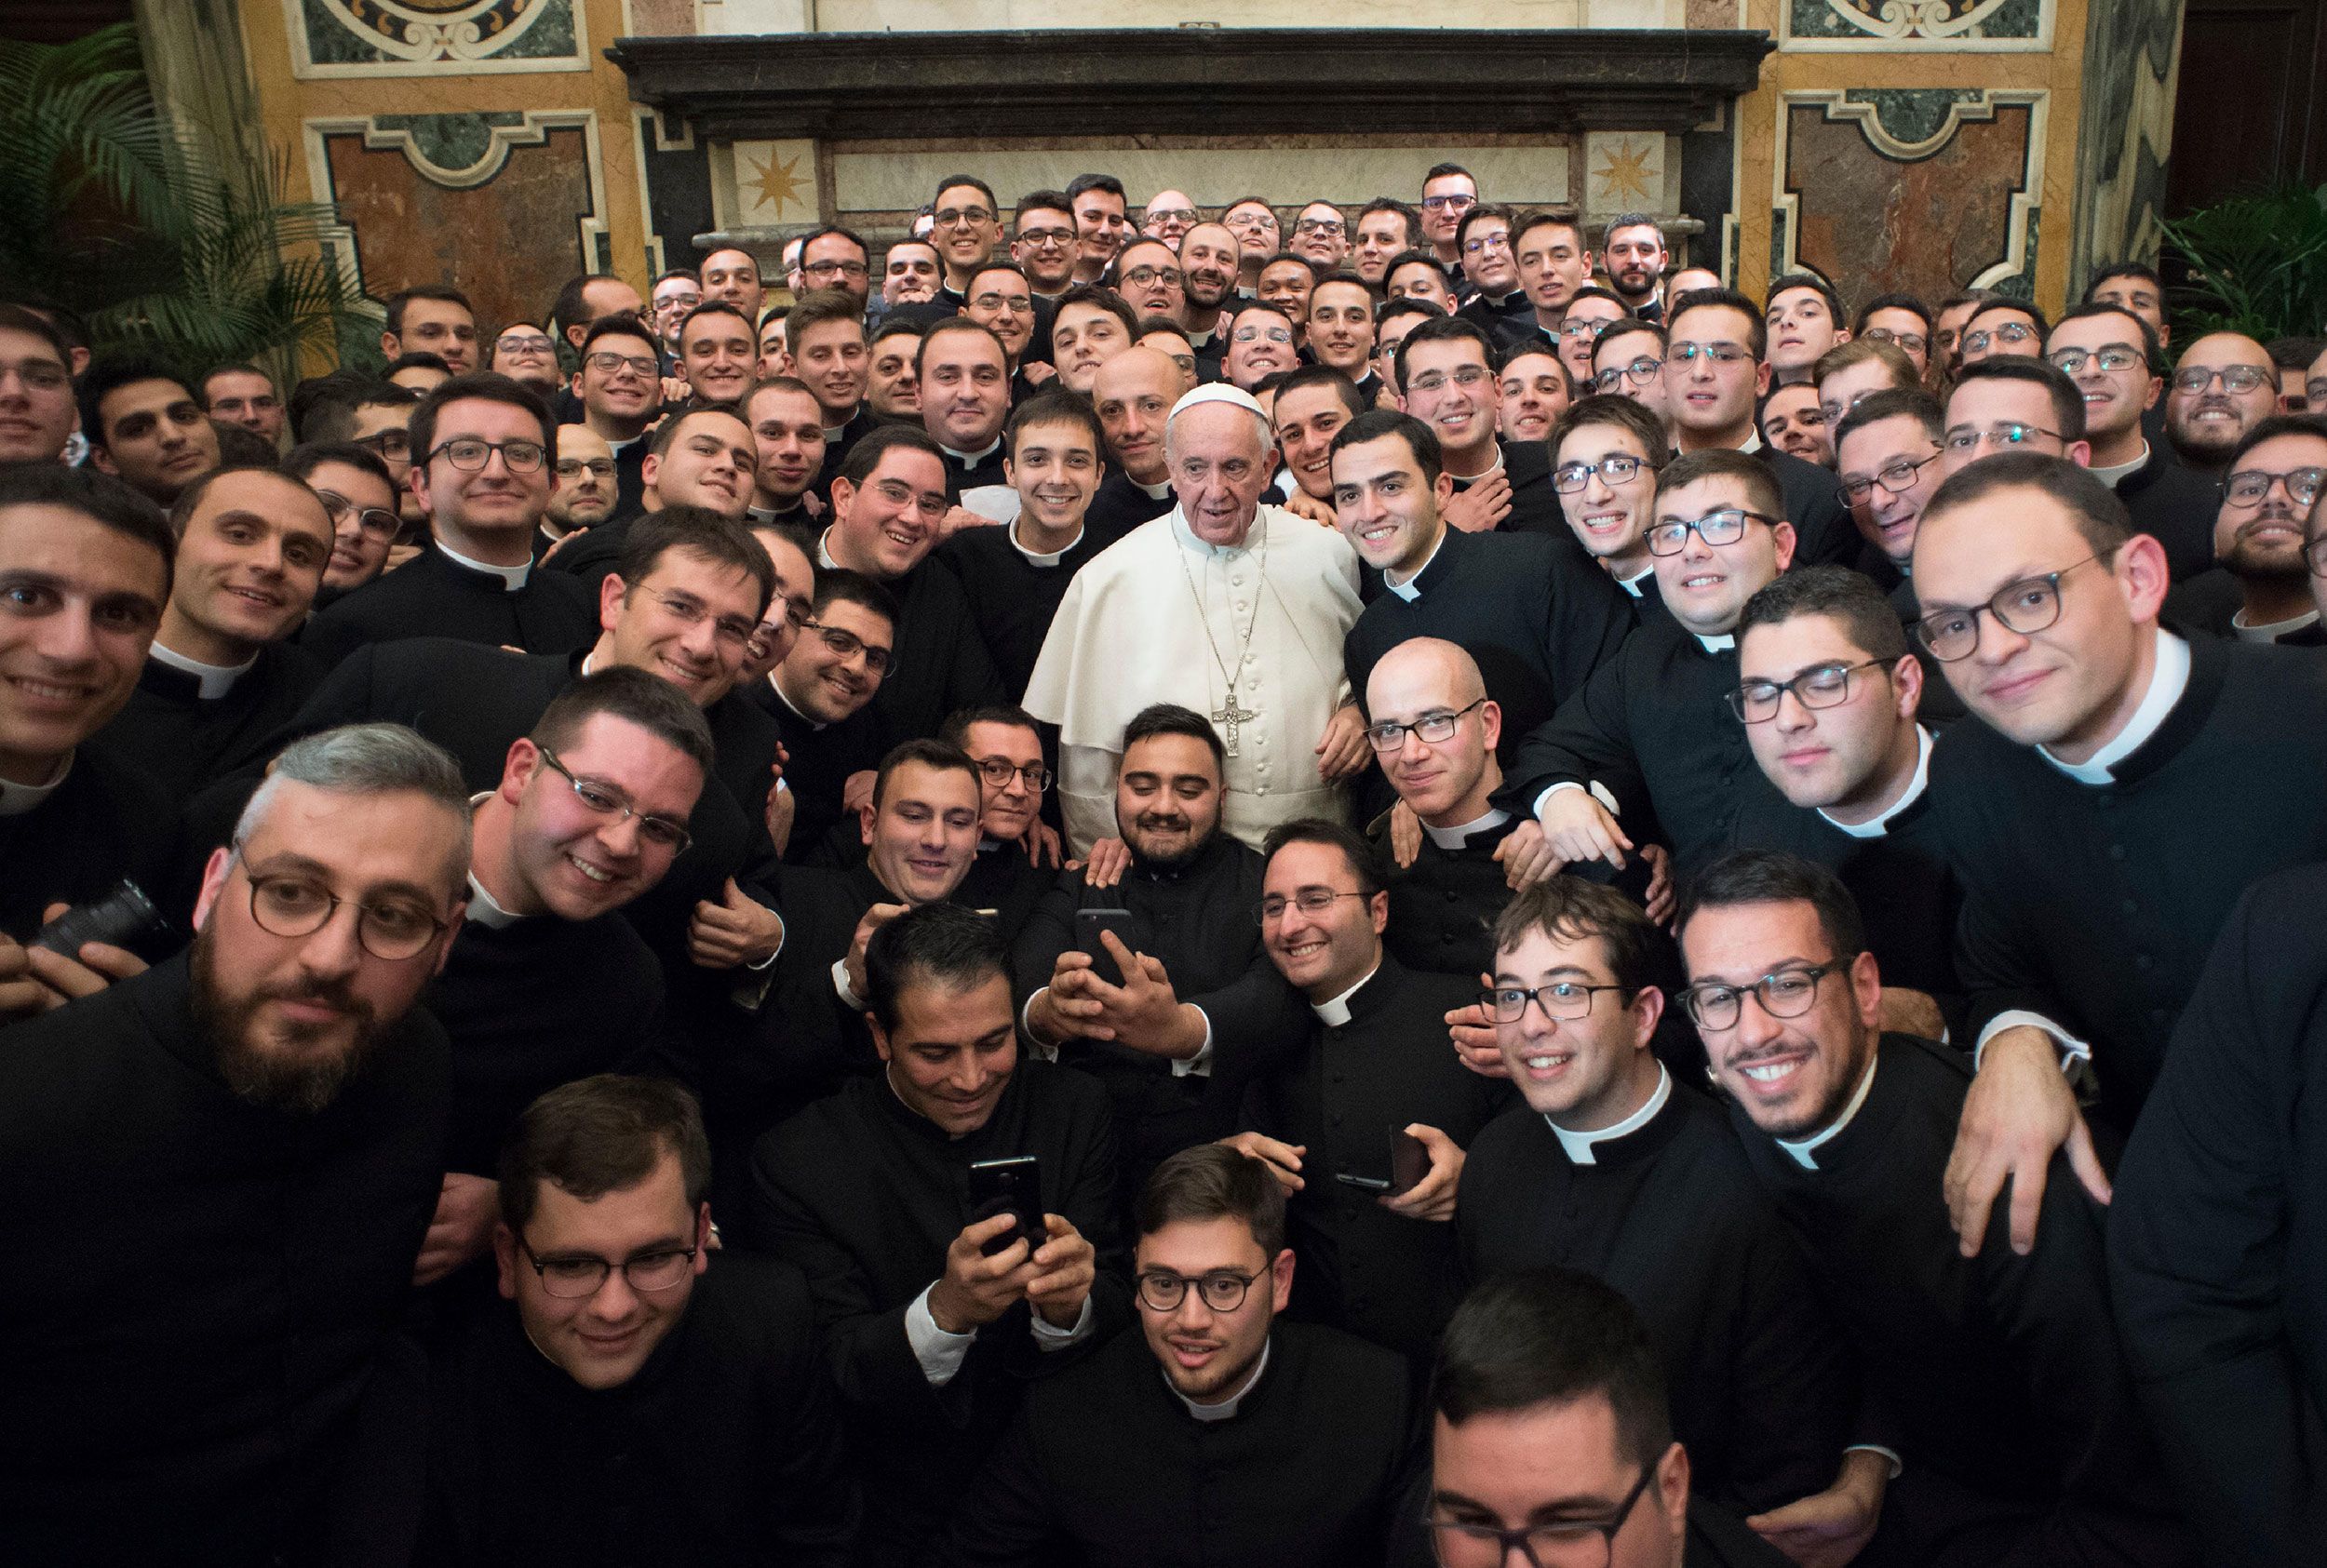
x=1228, y=718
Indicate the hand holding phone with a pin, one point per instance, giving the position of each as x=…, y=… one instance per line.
x=1014, y=1186
x=1089, y=924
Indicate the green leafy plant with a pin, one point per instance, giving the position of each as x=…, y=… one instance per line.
x=2255, y=264
x=116, y=213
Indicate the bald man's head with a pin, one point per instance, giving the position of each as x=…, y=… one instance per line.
x=1428, y=686
x=1134, y=393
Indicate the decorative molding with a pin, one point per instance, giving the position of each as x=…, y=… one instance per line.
x=343, y=38
x=841, y=86
x=1955, y=26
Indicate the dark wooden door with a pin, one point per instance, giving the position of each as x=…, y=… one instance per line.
x=2250, y=109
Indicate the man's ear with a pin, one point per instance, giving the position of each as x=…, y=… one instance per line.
x=1906, y=681
x=505, y=1260
x=612, y=591
x=1280, y=1277
x=391, y=346
x=517, y=768
x=213, y=879
x=1784, y=538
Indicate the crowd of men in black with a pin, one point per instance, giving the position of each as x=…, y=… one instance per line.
x=544, y=1015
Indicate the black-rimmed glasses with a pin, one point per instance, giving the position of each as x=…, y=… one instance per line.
x=1561, y=998
x=375, y=520
x=1669, y=536
x=1785, y=993
x=290, y=904
x=1897, y=477
x=577, y=1278
x=1431, y=728
x=606, y=801
x=847, y=645
x=999, y=771
x=470, y=455
x=1822, y=686
x=1222, y=1290
x=2025, y=607
x=1561, y=1543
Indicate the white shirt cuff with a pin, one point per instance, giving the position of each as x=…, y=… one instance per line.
x=1037, y=1047
x=2072, y=1049
x=1048, y=1338
x=1599, y=793
x=839, y=983
x=783, y=929
x=1200, y=1065
x=939, y=1353
x=1897, y=1464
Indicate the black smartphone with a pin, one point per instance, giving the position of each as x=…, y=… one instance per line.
x=1410, y=1161
x=120, y=918
x=1012, y=1186
x=1368, y=1184
x=1088, y=924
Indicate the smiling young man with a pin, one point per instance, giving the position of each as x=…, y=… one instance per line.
x=1341, y=329
x=1310, y=404
x=1609, y=1161
x=787, y=429
x=359, y=496
x=2221, y=386
x=820, y=696
x=705, y=458
x=718, y=355
x=1607, y=452
x=932, y=1342
x=1251, y=1409
x=963, y=371
x=1090, y=324
x=1804, y=317
x=1499, y=303
x=2263, y=591
x=1536, y=390
x=144, y=427
x=2112, y=353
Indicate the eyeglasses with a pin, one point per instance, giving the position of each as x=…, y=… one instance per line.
x=1142, y=277
x=1311, y=900
x=2009, y=332
x=1172, y=215
x=2315, y=552
x=2249, y=486
x=1583, y=326
x=1255, y=334
x=1222, y=1290
x=734, y=630
x=1785, y=993
x=606, y=801
x=1466, y=377
x=1562, y=1543
x=1249, y=220
x=1897, y=477
x=955, y=216
x=896, y=493
x=1720, y=354
x=2025, y=607
x=1669, y=536
x=396, y=444
x=576, y=1279
x=1431, y=728
x=999, y=771
x=674, y=304
x=1640, y=372
x=523, y=343
x=1617, y=468
x=1046, y=236
x=608, y=363
x=2195, y=378
x=1016, y=305
x=1485, y=243
x=470, y=455
x=575, y=467
x=1914, y=343
x=1561, y=998
x=2010, y=433
x=294, y=906
x=1454, y=200
x=1333, y=226
x=1822, y=686
x=835, y=269
x=39, y=375
x=377, y=520
x=2116, y=357
x=848, y=645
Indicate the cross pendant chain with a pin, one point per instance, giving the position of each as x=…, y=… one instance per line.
x=1230, y=718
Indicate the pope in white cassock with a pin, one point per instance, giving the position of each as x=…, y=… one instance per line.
x=1222, y=605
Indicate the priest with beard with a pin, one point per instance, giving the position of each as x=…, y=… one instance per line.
x=1615, y=1167
x=1369, y=1079
x=1175, y=1068
x=1263, y=1441
x=939, y=1318
x=226, y=1163
x=1225, y=607
x=1649, y=734
x=1994, y=1372
x=475, y=580
x=222, y=674
x=547, y=983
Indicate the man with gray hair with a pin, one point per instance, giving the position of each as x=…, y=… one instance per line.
x=224, y=1166
x=1234, y=609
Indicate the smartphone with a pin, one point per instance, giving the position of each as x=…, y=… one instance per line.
x=1089, y=923
x=1012, y=1186
x=1370, y=1184
x=1410, y=1161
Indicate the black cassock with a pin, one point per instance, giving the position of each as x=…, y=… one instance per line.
x=1762, y=1390
x=1443, y=907
x=1343, y=1093
x=723, y=1451
x=103, y=821
x=1823, y=533
x=593, y=556
x=1012, y=595
x=2096, y=905
x=2219, y=1235
x=201, y=1282
x=433, y=596
x=1203, y=921
x=2175, y=505
x=938, y=665
x=1123, y=504
x=184, y=742
x=819, y=760
x=1997, y=1379
x=865, y=1196
x=1322, y=1464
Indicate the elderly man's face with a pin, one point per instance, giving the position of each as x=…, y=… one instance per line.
x=1218, y=466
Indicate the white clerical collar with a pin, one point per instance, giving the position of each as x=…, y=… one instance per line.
x=1036, y=558
x=1719, y=642
x=1879, y=824
x=813, y=724
x=618, y=447
x=2116, y=474
x=1333, y=1012
x=1802, y=1153
x=1752, y=442
x=834, y=432
x=485, y=909
x=17, y=799
x=1156, y=491
x=1498, y=302
x=823, y=554
x=1185, y=537
x=971, y=460
x=211, y=681
x=1578, y=1146
x=1406, y=590
x=1631, y=584
x=1200, y=339
x=512, y=576
x=1464, y=481
x=1455, y=837
x=2270, y=631
x=2167, y=682
x=1226, y=1409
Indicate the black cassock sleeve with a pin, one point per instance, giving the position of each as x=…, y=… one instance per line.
x=1588, y=741
x=812, y=1505
x=2198, y=1237
x=1005, y=1517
